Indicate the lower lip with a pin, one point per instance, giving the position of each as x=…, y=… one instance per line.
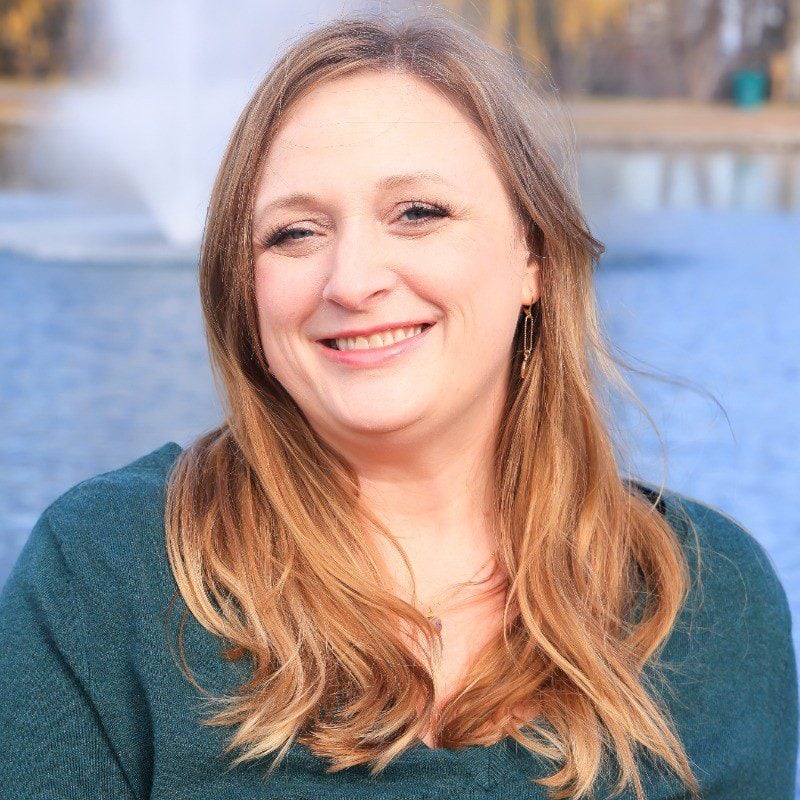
x=374, y=356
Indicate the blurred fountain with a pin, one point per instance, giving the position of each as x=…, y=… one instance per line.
x=176, y=76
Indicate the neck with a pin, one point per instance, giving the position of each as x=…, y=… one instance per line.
x=432, y=486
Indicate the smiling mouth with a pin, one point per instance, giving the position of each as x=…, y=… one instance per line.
x=333, y=345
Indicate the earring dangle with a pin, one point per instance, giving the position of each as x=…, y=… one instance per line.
x=527, y=340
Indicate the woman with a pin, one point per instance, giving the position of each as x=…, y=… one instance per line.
x=408, y=563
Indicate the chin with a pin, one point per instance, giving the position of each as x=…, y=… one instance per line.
x=373, y=421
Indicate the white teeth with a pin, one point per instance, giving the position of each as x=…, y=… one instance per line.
x=381, y=339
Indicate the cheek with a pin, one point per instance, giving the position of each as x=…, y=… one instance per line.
x=281, y=302
x=454, y=269
x=475, y=273
x=265, y=305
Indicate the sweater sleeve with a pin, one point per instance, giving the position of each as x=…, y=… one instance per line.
x=52, y=740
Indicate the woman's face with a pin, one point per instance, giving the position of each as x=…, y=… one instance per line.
x=389, y=214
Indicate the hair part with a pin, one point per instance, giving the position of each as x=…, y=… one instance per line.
x=265, y=529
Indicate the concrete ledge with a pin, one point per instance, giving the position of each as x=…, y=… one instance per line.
x=681, y=124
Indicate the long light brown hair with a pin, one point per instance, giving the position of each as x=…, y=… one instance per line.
x=265, y=529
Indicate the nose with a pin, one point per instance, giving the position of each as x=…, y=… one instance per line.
x=359, y=265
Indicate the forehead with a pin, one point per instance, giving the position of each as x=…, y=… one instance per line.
x=376, y=122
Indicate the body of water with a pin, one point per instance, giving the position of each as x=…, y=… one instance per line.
x=651, y=178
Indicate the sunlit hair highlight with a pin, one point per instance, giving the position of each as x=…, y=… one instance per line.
x=265, y=529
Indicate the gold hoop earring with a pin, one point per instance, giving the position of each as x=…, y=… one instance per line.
x=527, y=339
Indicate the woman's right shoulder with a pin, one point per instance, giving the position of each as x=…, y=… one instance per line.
x=132, y=492
x=84, y=651
x=109, y=528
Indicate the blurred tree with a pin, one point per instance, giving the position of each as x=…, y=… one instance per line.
x=37, y=37
x=583, y=20
x=579, y=26
x=694, y=35
x=645, y=47
x=550, y=32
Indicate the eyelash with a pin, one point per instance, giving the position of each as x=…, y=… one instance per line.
x=439, y=210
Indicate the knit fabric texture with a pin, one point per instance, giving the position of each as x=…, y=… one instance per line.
x=93, y=705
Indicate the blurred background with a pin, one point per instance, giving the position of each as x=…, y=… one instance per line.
x=686, y=119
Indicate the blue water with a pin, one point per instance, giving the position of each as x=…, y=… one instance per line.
x=103, y=356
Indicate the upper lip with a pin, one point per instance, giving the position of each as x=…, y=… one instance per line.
x=351, y=333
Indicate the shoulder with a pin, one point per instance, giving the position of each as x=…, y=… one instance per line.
x=724, y=556
x=110, y=527
x=727, y=670
x=137, y=487
x=737, y=620
x=733, y=563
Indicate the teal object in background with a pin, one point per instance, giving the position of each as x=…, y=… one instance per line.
x=749, y=87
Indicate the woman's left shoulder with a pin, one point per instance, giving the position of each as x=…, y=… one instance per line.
x=734, y=567
x=730, y=657
x=733, y=562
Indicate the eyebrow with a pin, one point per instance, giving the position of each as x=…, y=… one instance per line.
x=384, y=184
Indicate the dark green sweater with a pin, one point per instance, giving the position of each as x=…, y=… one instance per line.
x=93, y=706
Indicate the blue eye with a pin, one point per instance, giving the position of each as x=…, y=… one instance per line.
x=436, y=211
x=280, y=235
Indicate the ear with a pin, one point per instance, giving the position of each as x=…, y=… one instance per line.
x=531, y=289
